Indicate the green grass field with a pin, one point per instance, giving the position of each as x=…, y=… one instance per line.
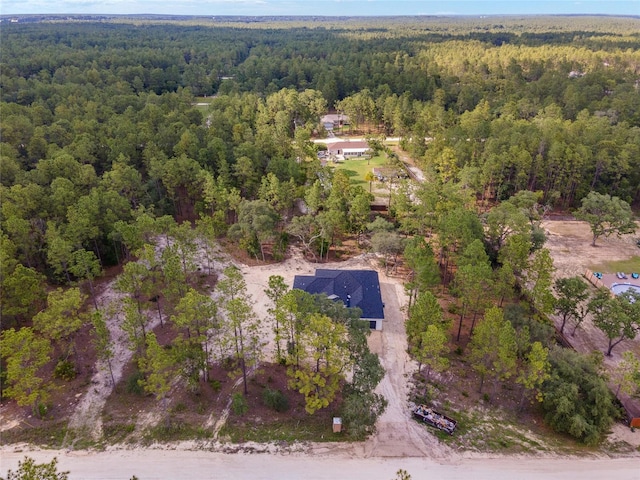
x=203, y=108
x=357, y=168
x=628, y=266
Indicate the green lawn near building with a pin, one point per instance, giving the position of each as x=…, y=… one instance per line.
x=628, y=266
x=357, y=168
x=202, y=103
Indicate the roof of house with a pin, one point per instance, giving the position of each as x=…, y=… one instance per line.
x=335, y=117
x=356, y=144
x=356, y=288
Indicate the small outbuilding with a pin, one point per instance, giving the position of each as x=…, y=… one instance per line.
x=355, y=288
x=337, y=424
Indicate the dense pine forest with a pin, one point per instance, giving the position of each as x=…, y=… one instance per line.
x=106, y=148
x=86, y=104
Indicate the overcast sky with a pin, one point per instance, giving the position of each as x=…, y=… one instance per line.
x=324, y=7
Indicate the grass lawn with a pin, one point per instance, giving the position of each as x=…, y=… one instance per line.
x=203, y=108
x=357, y=168
x=627, y=266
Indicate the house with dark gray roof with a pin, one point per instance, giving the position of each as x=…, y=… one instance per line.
x=355, y=288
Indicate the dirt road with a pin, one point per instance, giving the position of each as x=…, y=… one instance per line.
x=197, y=465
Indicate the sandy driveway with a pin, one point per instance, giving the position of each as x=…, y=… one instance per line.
x=397, y=434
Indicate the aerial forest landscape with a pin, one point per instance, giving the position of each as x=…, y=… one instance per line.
x=319, y=247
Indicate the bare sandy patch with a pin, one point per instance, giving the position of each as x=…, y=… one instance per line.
x=569, y=242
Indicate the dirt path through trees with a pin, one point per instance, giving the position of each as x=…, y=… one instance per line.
x=86, y=420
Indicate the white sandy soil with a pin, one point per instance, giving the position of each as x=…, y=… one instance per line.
x=194, y=465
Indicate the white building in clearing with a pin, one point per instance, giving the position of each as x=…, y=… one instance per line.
x=349, y=149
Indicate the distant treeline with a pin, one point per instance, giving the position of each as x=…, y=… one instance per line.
x=336, y=61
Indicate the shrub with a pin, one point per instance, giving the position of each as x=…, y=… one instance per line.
x=28, y=468
x=453, y=309
x=133, y=383
x=239, y=404
x=65, y=370
x=360, y=412
x=42, y=410
x=576, y=398
x=275, y=399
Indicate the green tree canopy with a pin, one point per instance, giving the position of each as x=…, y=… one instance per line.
x=606, y=215
x=240, y=326
x=535, y=371
x=196, y=315
x=25, y=354
x=420, y=258
x=576, y=398
x=424, y=312
x=325, y=358
x=62, y=318
x=572, y=293
x=493, y=347
x=158, y=367
x=28, y=469
x=432, y=349
x=618, y=317
x=627, y=373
